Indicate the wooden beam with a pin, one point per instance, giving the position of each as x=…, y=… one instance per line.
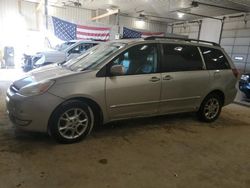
x=39, y=6
x=109, y=13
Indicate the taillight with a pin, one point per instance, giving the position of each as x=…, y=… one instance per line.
x=235, y=72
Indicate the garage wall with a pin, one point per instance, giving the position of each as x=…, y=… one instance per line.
x=35, y=19
x=83, y=16
x=72, y=14
x=235, y=38
x=191, y=30
x=236, y=41
x=8, y=13
x=149, y=25
x=7, y=8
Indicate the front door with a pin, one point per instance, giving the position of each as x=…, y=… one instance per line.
x=137, y=92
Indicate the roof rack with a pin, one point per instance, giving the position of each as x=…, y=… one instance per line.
x=184, y=39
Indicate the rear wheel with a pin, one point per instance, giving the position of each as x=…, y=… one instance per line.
x=210, y=108
x=71, y=122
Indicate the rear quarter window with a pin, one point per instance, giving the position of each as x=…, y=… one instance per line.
x=214, y=59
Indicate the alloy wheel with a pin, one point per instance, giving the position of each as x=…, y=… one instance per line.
x=212, y=108
x=73, y=123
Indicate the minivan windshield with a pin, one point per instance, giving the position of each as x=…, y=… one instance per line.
x=94, y=56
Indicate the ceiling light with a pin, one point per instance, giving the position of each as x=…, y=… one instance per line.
x=180, y=14
x=112, y=8
x=109, y=9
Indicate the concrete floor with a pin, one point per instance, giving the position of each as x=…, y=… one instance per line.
x=169, y=151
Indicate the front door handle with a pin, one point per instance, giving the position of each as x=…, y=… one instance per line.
x=154, y=79
x=168, y=77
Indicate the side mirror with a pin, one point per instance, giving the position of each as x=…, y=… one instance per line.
x=117, y=70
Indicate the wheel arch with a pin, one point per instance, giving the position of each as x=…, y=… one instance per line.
x=218, y=92
x=97, y=111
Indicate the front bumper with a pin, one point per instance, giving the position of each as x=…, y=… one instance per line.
x=31, y=113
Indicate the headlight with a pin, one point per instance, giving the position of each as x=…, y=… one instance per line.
x=245, y=77
x=39, y=59
x=36, y=88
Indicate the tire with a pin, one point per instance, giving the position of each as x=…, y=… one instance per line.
x=210, y=108
x=71, y=122
x=247, y=95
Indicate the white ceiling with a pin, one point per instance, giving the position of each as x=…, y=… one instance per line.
x=162, y=8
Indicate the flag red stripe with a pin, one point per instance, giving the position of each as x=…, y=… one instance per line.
x=93, y=28
x=93, y=34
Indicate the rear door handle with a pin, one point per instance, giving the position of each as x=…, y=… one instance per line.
x=167, y=77
x=154, y=79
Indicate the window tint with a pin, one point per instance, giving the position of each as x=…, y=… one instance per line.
x=214, y=59
x=181, y=58
x=140, y=59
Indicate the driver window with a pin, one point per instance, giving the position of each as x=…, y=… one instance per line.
x=140, y=59
x=75, y=50
x=84, y=47
x=81, y=48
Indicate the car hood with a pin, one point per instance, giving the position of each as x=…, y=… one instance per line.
x=52, y=53
x=52, y=56
x=42, y=74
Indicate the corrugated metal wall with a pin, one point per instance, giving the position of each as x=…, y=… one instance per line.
x=148, y=25
x=191, y=30
x=83, y=16
x=71, y=14
x=31, y=16
x=236, y=41
x=8, y=12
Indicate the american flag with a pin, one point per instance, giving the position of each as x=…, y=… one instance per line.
x=130, y=33
x=69, y=31
x=97, y=33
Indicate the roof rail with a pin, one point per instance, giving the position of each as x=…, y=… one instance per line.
x=184, y=39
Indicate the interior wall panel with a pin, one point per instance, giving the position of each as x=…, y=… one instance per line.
x=191, y=30
x=83, y=16
x=236, y=36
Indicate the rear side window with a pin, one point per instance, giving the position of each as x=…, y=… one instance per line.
x=214, y=59
x=181, y=58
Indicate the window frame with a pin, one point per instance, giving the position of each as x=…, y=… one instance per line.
x=221, y=51
x=105, y=70
x=189, y=45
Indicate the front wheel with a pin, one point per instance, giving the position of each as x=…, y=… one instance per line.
x=71, y=121
x=210, y=108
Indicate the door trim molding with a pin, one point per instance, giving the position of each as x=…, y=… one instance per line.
x=133, y=104
x=181, y=99
x=154, y=102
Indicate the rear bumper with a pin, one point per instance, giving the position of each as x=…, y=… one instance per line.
x=31, y=113
x=230, y=96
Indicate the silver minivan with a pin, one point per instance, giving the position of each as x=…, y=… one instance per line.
x=124, y=79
